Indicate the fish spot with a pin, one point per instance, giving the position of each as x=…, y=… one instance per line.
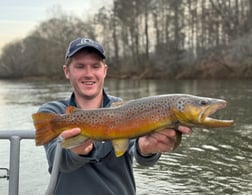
x=180, y=104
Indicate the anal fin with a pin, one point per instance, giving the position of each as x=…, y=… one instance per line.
x=120, y=146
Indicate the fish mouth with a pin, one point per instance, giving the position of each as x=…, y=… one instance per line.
x=208, y=121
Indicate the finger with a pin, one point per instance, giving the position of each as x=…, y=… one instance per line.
x=170, y=133
x=70, y=133
x=169, y=140
x=160, y=138
x=156, y=143
x=88, y=148
x=87, y=143
x=165, y=146
x=84, y=148
x=184, y=129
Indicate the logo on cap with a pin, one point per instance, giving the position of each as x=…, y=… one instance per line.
x=84, y=41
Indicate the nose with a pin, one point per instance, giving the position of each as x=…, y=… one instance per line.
x=88, y=71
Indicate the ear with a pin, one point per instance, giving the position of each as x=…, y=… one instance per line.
x=66, y=71
x=105, y=70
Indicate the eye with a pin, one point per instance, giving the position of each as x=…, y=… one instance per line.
x=79, y=66
x=96, y=66
x=203, y=102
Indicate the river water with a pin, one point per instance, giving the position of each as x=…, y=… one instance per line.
x=210, y=161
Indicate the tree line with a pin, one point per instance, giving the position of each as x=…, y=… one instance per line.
x=144, y=39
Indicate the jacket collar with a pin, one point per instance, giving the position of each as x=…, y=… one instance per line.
x=106, y=100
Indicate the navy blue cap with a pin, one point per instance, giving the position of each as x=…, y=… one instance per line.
x=80, y=43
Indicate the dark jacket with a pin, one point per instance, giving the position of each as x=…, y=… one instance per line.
x=100, y=172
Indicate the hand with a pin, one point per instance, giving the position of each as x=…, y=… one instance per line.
x=83, y=149
x=160, y=141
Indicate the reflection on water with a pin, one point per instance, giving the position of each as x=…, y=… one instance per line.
x=210, y=161
x=207, y=162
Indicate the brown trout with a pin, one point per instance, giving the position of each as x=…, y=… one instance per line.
x=130, y=119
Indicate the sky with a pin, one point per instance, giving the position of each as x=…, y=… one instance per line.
x=19, y=17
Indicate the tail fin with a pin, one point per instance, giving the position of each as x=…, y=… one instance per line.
x=44, y=130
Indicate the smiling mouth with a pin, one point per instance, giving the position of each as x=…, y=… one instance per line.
x=88, y=82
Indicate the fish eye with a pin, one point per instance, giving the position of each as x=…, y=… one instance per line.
x=203, y=102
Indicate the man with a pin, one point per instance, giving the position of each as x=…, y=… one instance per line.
x=92, y=167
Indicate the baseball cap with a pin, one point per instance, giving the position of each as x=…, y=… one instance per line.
x=80, y=43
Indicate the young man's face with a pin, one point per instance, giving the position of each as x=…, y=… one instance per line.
x=86, y=73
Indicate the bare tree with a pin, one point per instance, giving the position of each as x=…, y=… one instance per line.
x=161, y=36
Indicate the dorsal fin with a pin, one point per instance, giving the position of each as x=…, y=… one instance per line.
x=71, y=109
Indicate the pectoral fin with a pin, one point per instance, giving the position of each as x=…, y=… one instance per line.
x=73, y=141
x=120, y=146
